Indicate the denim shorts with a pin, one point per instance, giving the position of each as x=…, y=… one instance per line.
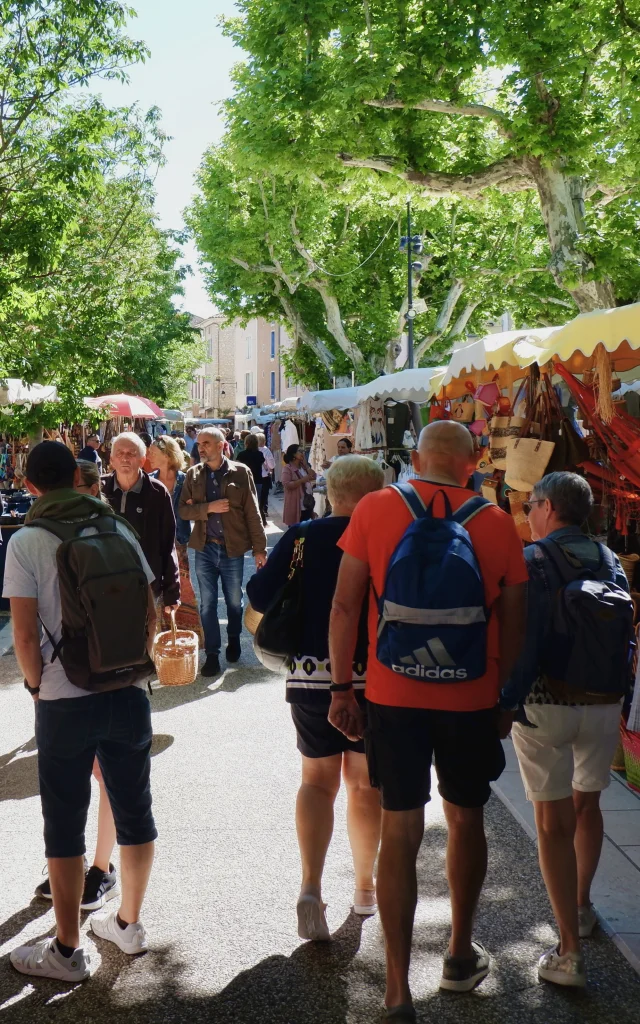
x=116, y=727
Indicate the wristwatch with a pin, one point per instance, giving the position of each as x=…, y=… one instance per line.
x=340, y=687
x=31, y=689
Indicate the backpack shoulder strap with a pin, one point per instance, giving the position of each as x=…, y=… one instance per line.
x=59, y=530
x=555, y=553
x=412, y=500
x=470, y=509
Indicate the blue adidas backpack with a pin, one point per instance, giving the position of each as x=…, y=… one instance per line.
x=432, y=623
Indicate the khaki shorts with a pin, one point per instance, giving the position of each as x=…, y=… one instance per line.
x=572, y=748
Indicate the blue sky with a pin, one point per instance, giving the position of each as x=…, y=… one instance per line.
x=186, y=76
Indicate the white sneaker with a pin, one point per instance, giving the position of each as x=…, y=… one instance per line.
x=364, y=902
x=131, y=940
x=587, y=920
x=562, y=970
x=44, y=960
x=312, y=919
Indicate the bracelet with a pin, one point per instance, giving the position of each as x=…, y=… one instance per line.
x=31, y=689
x=340, y=687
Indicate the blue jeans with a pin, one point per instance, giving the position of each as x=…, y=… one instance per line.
x=214, y=564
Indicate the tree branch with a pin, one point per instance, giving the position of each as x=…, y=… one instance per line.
x=507, y=175
x=443, y=320
x=316, y=345
x=446, y=107
x=626, y=18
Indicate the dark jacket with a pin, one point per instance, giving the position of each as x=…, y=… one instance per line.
x=309, y=675
x=242, y=524
x=544, y=584
x=150, y=512
x=254, y=460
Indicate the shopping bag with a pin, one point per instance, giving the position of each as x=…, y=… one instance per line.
x=527, y=460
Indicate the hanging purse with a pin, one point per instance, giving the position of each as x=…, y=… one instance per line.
x=462, y=410
x=278, y=635
x=501, y=428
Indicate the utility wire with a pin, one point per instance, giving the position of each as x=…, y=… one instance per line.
x=371, y=255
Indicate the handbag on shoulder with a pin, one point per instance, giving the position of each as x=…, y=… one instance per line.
x=278, y=635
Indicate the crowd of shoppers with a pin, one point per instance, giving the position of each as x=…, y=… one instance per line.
x=386, y=682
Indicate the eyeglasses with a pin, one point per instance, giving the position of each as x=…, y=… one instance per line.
x=528, y=505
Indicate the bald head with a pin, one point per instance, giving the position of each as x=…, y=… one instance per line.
x=445, y=449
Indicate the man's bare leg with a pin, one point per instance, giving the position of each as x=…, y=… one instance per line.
x=397, y=890
x=135, y=868
x=466, y=870
x=556, y=825
x=66, y=875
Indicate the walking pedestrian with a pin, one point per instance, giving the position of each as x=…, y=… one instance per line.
x=146, y=505
x=296, y=475
x=190, y=438
x=433, y=681
x=85, y=705
x=253, y=459
x=167, y=462
x=327, y=754
x=572, y=676
x=267, y=477
x=101, y=878
x=220, y=497
x=90, y=451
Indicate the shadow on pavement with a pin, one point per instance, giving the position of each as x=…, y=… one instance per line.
x=14, y=924
x=166, y=698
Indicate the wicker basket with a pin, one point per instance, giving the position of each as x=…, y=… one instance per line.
x=631, y=747
x=175, y=653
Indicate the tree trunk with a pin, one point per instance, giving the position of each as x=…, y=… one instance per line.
x=571, y=267
x=36, y=435
x=317, y=346
x=334, y=322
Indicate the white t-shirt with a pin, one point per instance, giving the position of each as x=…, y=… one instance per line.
x=31, y=571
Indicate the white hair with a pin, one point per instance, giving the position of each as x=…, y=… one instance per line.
x=350, y=477
x=134, y=439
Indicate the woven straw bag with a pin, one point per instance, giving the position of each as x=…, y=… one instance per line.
x=527, y=460
x=500, y=429
x=516, y=503
x=175, y=653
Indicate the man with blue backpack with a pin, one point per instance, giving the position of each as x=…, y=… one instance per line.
x=446, y=580
x=572, y=676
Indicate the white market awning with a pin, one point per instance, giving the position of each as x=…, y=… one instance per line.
x=14, y=392
x=315, y=402
x=418, y=385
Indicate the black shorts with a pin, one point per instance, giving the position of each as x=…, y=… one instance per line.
x=69, y=733
x=316, y=735
x=402, y=742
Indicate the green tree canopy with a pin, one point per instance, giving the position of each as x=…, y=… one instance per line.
x=457, y=99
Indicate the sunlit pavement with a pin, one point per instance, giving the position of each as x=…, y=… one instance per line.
x=220, y=910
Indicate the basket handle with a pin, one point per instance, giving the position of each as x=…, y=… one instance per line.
x=173, y=626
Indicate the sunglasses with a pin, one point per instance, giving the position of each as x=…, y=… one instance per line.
x=528, y=505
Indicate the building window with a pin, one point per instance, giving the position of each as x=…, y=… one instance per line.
x=249, y=350
x=210, y=349
x=273, y=345
x=248, y=383
x=273, y=382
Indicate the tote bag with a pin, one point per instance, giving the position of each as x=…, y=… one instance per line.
x=527, y=461
x=500, y=428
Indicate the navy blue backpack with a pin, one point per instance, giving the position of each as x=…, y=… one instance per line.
x=433, y=620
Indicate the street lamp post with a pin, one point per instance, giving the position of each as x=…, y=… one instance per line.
x=414, y=247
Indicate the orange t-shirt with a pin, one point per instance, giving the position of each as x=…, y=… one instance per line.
x=376, y=527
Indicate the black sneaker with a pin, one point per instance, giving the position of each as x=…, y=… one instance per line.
x=99, y=888
x=233, y=651
x=462, y=975
x=211, y=666
x=43, y=891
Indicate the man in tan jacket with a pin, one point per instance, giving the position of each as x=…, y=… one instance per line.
x=220, y=496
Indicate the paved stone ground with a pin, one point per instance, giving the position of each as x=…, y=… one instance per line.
x=221, y=906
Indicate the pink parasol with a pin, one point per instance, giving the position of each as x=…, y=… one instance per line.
x=131, y=406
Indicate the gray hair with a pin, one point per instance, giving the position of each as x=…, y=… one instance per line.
x=134, y=439
x=213, y=432
x=350, y=477
x=569, y=494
